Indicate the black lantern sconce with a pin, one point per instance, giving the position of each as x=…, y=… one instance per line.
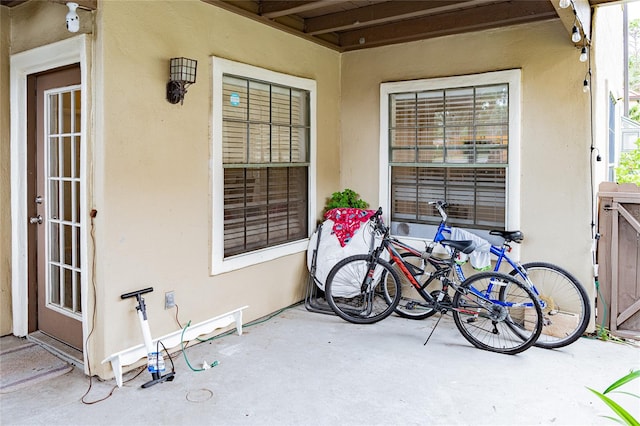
x=182, y=74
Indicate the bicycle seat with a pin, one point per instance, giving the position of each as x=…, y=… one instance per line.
x=515, y=236
x=464, y=246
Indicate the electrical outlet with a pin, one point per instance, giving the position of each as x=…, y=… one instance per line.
x=169, y=300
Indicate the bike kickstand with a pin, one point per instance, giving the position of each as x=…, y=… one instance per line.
x=433, y=329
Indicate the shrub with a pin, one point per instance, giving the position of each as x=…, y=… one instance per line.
x=346, y=198
x=629, y=169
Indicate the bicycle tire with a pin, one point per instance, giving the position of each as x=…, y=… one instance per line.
x=567, y=311
x=345, y=296
x=489, y=324
x=411, y=304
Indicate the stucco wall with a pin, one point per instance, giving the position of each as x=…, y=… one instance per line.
x=555, y=192
x=41, y=22
x=152, y=164
x=5, y=173
x=150, y=160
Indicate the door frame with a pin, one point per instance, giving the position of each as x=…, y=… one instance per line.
x=66, y=52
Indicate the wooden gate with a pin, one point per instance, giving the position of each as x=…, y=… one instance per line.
x=618, y=306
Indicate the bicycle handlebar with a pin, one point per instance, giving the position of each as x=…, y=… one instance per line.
x=441, y=205
x=377, y=221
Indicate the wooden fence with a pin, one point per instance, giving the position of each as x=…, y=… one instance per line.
x=618, y=298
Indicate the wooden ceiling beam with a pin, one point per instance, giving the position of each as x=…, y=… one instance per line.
x=480, y=18
x=330, y=42
x=382, y=13
x=275, y=9
x=82, y=4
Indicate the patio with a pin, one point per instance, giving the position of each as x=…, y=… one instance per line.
x=303, y=368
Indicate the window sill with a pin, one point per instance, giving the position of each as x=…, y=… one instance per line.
x=221, y=265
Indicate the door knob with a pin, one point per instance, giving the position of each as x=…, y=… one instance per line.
x=35, y=219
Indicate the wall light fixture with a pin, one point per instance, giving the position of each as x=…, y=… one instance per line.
x=182, y=73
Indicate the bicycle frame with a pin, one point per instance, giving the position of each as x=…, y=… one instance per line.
x=499, y=252
x=443, y=270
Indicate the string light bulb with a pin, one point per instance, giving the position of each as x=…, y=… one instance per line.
x=585, y=85
x=584, y=56
x=564, y=4
x=575, y=34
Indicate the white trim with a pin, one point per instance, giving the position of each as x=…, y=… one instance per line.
x=218, y=263
x=512, y=77
x=171, y=340
x=66, y=52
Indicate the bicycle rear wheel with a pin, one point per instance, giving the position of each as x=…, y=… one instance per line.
x=565, y=305
x=411, y=304
x=356, y=300
x=497, y=313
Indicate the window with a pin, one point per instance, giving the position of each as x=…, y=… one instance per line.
x=263, y=146
x=453, y=139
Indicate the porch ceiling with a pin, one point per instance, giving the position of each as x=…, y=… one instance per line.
x=346, y=25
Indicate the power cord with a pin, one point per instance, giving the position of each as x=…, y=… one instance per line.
x=183, y=344
x=93, y=214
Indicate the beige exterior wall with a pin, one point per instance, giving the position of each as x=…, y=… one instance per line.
x=5, y=175
x=37, y=23
x=150, y=160
x=555, y=193
x=149, y=165
x=152, y=164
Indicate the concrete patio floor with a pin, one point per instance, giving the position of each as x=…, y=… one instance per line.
x=304, y=368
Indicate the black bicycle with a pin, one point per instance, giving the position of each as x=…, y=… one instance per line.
x=493, y=311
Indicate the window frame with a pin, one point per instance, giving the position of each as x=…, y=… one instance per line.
x=220, y=264
x=510, y=77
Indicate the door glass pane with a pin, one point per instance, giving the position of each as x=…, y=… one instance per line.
x=76, y=197
x=77, y=109
x=54, y=207
x=65, y=116
x=68, y=288
x=54, y=169
x=67, y=156
x=68, y=198
x=76, y=248
x=54, y=241
x=77, y=290
x=54, y=284
x=53, y=115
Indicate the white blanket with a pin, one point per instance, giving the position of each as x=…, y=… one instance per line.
x=330, y=253
x=480, y=258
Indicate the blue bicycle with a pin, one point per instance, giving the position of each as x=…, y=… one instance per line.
x=493, y=311
x=565, y=304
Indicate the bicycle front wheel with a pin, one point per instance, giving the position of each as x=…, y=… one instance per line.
x=356, y=296
x=565, y=304
x=497, y=313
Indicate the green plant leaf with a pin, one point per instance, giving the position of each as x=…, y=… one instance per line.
x=346, y=198
x=624, y=415
x=621, y=381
